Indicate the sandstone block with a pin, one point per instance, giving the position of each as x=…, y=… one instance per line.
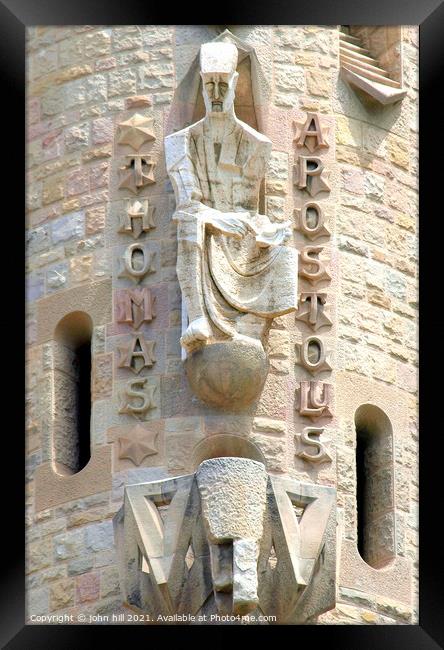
x=69, y=545
x=37, y=601
x=38, y=556
x=52, y=190
x=289, y=78
x=61, y=594
x=70, y=51
x=122, y=83
x=87, y=587
x=319, y=83
x=57, y=277
x=348, y=131
x=68, y=227
x=95, y=220
x=102, y=384
x=77, y=137
x=109, y=582
x=82, y=565
x=99, y=537
x=102, y=130
x=97, y=43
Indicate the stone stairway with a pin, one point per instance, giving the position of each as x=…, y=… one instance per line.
x=363, y=71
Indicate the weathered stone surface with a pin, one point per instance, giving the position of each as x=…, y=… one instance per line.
x=228, y=374
x=61, y=594
x=109, y=582
x=87, y=587
x=37, y=602
x=393, y=609
x=102, y=376
x=99, y=537
x=37, y=240
x=80, y=566
x=68, y=227
x=318, y=83
x=245, y=579
x=38, y=555
x=97, y=44
x=232, y=492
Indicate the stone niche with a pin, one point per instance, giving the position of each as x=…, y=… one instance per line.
x=237, y=269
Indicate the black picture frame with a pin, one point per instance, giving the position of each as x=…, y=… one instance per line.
x=15, y=16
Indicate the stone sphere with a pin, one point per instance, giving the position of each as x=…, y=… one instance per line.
x=228, y=374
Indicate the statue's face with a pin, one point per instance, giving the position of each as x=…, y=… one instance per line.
x=218, y=91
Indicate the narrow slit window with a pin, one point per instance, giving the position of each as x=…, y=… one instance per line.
x=374, y=486
x=71, y=449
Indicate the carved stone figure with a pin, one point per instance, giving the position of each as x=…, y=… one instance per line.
x=228, y=540
x=234, y=271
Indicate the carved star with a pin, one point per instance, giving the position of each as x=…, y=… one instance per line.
x=135, y=131
x=139, y=444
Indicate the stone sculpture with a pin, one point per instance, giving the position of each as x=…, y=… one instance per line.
x=234, y=270
x=229, y=540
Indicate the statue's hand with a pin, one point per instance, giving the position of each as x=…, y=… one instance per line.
x=273, y=234
x=231, y=224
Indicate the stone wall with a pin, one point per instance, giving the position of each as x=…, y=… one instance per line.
x=83, y=82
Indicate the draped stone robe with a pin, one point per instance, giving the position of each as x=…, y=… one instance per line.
x=237, y=275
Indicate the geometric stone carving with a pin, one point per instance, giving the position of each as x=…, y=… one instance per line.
x=136, y=355
x=135, y=306
x=308, y=173
x=306, y=260
x=309, y=220
x=232, y=262
x=366, y=73
x=307, y=136
x=229, y=513
x=135, y=131
x=137, y=219
x=232, y=540
x=304, y=439
x=314, y=399
x=136, y=263
x=311, y=310
x=312, y=355
x=138, y=172
x=137, y=444
x=137, y=398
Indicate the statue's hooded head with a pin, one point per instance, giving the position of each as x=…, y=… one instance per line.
x=218, y=62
